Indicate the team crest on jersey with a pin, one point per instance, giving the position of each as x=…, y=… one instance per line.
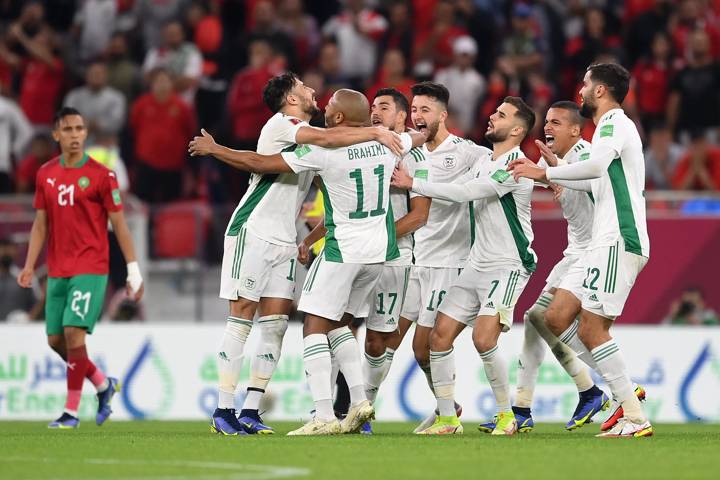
x=250, y=283
x=449, y=162
x=84, y=182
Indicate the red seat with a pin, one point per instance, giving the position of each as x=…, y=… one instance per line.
x=179, y=229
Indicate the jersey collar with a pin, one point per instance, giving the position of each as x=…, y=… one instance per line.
x=515, y=152
x=440, y=147
x=608, y=113
x=83, y=161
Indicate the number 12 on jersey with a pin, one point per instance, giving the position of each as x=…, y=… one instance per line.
x=359, y=212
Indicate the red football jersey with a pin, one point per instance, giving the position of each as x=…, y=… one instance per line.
x=77, y=201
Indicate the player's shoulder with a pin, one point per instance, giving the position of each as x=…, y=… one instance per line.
x=415, y=155
x=49, y=166
x=280, y=120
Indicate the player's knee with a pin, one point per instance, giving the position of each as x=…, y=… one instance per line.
x=484, y=343
x=554, y=321
x=439, y=342
x=374, y=344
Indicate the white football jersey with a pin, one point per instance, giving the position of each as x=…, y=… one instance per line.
x=619, y=193
x=400, y=200
x=272, y=201
x=446, y=238
x=504, y=234
x=356, y=193
x=578, y=207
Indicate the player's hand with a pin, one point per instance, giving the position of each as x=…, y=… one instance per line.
x=523, y=167
x=303, y=254
x=547, y=154
x=135, y=295
x=25, y=277
x=401, y=178
x=202, y=145
x=390, y=139
x=557, y=191
x=135, y=285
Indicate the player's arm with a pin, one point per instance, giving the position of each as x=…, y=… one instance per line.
x=346, y=136
x=603, y=152
x=313, y=237
x=135, y=284
x=473, y=190
x=38, y=234
x=240, y=159
x=416, y=217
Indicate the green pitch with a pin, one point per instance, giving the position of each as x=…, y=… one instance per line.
x=187, y=451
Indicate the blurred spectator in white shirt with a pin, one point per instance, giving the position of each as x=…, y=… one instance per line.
x=467, y=85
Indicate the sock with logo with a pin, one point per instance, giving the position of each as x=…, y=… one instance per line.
x=264, y=362
x=230, y=357
x=76, y=368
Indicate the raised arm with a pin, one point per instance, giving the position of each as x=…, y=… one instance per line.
x=473, y=190
x=346, y=136
x=240, y=159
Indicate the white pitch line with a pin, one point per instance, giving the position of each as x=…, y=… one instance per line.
x=241, y=471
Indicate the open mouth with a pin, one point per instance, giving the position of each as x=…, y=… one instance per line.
x=422, y=127
x=549, y=140
x=376, y=121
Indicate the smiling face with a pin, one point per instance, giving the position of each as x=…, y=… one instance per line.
x=427, y=113
x=561, y=133
x=502, y=124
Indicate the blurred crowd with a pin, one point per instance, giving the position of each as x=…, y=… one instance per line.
x=147, y=74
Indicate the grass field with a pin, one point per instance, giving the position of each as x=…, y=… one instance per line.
x=186, y=450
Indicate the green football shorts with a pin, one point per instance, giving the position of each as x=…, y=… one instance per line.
x=74, y=302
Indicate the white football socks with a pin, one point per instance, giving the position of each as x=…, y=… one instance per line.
x=229, y=359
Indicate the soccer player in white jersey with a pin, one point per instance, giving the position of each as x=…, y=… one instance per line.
x=258, y=268
x=385, y=328
x=620, y=247
x=564, y=145
x=360, y=238
x=442, y=246
x=501, y=262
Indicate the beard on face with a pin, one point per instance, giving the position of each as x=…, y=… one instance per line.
x=497, y=136
x=309, y=107
x=588, y=108
x=432, y=129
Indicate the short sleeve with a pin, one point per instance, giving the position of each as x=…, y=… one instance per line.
x=39, y=199
x=306, y=158
x=288, y=128
x=110, y=193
